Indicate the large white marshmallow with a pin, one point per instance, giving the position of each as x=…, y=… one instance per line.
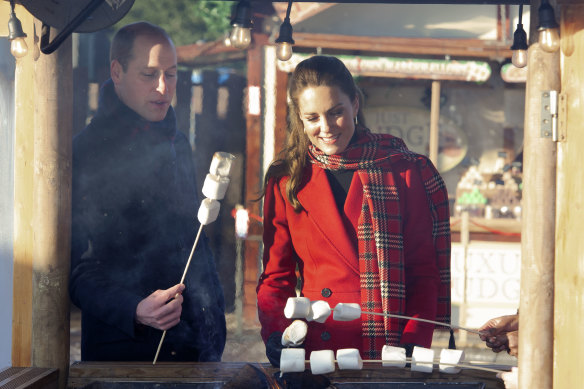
x=422, y=359
x=349, y=359
x=292, y=360
x=448, y=358
x=319, y=311
x=221, y=164
x=322, y=361
x=208, y=211
x=347, y=311
x=215, y=187
x=295, y=333
x=392, y=356
x=297, y=308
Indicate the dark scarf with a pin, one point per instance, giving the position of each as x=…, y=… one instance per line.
x=380, y=236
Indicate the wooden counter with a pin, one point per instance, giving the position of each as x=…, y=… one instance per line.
x=245, y=375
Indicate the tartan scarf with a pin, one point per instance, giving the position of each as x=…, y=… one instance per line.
x=379, y=232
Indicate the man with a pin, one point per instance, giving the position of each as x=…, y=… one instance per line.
x=135, y=209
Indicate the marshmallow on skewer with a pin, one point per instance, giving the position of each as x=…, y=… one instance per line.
x=297, y=308
x=292, y=360
x=208, y=211
x=221, y=164
x=347, y=311
x=319, y=311
x=295, y=333
x=450, y=357
x=422, y=359
x=392, y=356
x=349, y=359
x=322, y=361
x=215, y=187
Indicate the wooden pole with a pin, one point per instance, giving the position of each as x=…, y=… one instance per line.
x=434, y=120
x=538, y=223
x=24, y=92
x=52, y=209
x=569, y=271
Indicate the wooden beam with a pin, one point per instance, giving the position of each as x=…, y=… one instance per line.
x=536, y=308
x=52, y=209
x=569, y=264
x=23, y=199
x=475, y=48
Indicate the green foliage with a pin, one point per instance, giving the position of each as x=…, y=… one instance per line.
x=186, y=21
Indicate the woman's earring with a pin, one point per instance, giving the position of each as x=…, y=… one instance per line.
x=356, y=121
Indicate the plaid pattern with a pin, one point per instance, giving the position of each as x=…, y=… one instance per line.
x=379, y=233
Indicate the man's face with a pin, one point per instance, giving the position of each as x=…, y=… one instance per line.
x=149, y=82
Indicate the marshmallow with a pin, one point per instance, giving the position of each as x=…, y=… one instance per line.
x=393, y=356
x=215, y=187
x=295, y=333
x=208, y=211
x=292, y=360
x=347, y=311
x=297, y=307
x=422, y=359
x=349, y=359
x=449, y=358
x=319, y=311
x=322, y=361
x=221, y=164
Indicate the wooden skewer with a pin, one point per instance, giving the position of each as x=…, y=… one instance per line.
x=181, y=281
x=424, y=320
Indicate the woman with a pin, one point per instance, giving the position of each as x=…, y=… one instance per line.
x=358, y=217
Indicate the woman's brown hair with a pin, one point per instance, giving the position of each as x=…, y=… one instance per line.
x=315, y=71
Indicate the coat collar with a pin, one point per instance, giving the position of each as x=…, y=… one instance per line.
x=318, y=201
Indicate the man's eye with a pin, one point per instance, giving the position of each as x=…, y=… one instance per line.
x=170, y=75
x=149, y=74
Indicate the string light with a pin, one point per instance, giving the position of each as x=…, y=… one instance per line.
x=241, y=33
x=519, y=57
x=549, y=36
x=16, y=35
x=284, y=42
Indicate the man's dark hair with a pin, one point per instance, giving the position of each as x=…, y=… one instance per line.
x=123, y=41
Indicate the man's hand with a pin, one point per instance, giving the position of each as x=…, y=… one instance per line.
x=162, y=309
x=500, y=334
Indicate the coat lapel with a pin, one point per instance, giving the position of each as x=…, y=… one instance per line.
x=317, y=199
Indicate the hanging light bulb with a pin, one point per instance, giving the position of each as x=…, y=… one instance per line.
x=549, y=35
x=241, y=33
x=18, y=46
x=284, y=42
x=519, y=56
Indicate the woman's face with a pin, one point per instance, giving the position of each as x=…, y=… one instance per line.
x=328, y=116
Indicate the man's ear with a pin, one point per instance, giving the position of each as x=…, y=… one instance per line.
x=116, y=71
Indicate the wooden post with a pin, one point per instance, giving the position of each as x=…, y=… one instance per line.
x=434, y=120
x=538, y=223
x=253, y=171
x=52, y=209
x=569, y=271
x=24, y=93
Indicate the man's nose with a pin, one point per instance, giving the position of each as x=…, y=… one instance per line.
x=162, y=86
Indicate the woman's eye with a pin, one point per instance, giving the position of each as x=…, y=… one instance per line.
x=312, y=119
